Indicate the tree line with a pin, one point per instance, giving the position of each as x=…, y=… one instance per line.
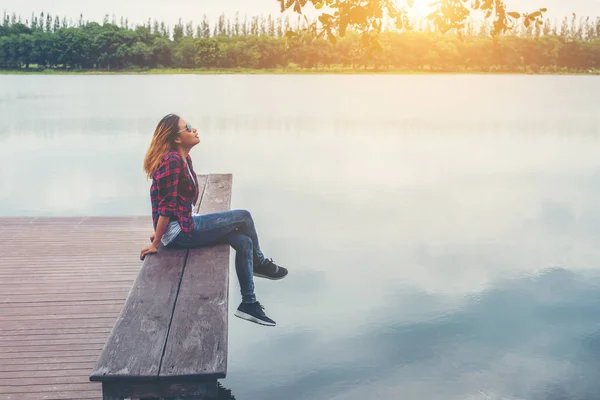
x=45, y=41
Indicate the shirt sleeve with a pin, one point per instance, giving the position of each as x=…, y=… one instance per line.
x=167, y=177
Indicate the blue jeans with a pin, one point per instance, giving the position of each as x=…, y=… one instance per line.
x=235, y=228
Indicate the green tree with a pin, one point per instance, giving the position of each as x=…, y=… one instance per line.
x=178, y=31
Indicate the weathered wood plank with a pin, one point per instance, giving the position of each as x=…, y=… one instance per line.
x=197, y=342
x=77, y=331
x=37, y=374
x=204, y=390
x=46, y=380
x=114, y=309
x=46, y=361
x=83, y=386
x=52, y=395
x=63, y=366
x=202, y=180
x=16, y=342
x=46, y=298
x=135, y=345
x=50, y=351
x=28, y=326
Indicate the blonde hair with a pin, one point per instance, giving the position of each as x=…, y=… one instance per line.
x=162, y=142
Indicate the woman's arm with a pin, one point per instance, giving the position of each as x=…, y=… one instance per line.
x=161, y=227
x=167, y=177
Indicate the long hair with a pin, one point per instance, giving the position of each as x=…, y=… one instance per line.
x=162, y=142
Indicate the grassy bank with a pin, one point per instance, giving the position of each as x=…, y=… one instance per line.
x=285, y=71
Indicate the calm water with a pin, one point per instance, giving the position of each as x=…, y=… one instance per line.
x=442, y=231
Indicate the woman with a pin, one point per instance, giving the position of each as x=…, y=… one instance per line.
x=174, y=192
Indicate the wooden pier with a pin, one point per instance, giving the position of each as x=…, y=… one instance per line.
x=63, y=286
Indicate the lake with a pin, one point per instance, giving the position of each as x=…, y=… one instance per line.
x=441, y=231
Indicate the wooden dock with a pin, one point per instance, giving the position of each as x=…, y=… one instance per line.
x=63, y=283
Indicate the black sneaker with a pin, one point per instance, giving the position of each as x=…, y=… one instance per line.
x=268, y=269
x=253, y=312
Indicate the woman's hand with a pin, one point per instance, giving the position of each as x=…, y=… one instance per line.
x=148, y=250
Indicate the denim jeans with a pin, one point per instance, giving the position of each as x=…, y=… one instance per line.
x=235, y=228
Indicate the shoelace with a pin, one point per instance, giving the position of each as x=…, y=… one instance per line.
x=269, y=262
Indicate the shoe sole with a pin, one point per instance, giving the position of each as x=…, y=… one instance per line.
x=270, y=277
x=250, y=318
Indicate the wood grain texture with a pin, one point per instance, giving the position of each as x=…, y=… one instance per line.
x=135, y=345
x=197, y=343
x=37, y=328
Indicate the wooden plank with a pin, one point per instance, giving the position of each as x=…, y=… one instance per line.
x=77, y=331
x=197, y=342
x=82, y=372
x=114, y=309
x=66, y=359
x=23, y=351
x=159, y=389
x=46, y=380
x=51, y=395
x=12, y=342
x=84, y=386
x=135, y=345
x=28, y=326
x=62, y=366
x=112, y=295
x=202, y=180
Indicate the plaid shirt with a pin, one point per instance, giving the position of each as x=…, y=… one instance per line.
x=174, y=191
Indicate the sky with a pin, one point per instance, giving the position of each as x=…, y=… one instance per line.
x=138, y=11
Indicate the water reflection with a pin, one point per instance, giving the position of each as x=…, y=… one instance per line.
x=437, y=251
x=522, y=338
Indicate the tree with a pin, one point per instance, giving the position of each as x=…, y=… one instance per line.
x=207, y=53
x=205, y=27
x=189, y=29
x=178, y=31
x=366, y=15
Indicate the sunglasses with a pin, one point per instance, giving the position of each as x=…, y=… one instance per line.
x=188, y=128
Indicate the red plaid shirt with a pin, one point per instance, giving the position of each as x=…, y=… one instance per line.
x=174, y=191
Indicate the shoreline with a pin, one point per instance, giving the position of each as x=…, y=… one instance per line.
x=281, y=71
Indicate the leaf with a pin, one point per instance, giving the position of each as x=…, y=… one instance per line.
x=514, y=14
x=536, y=14
x=290, y=34
x=298, y=8
x=342, y=29
x=399, y=23
x=331, y=37
x=319, y=5
x=527, y=22
x=543, y=9
x=357, y=15
x=324, y=18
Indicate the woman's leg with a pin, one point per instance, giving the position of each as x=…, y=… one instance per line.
x=209, y=228
x=242, y=244
x=250, y=309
